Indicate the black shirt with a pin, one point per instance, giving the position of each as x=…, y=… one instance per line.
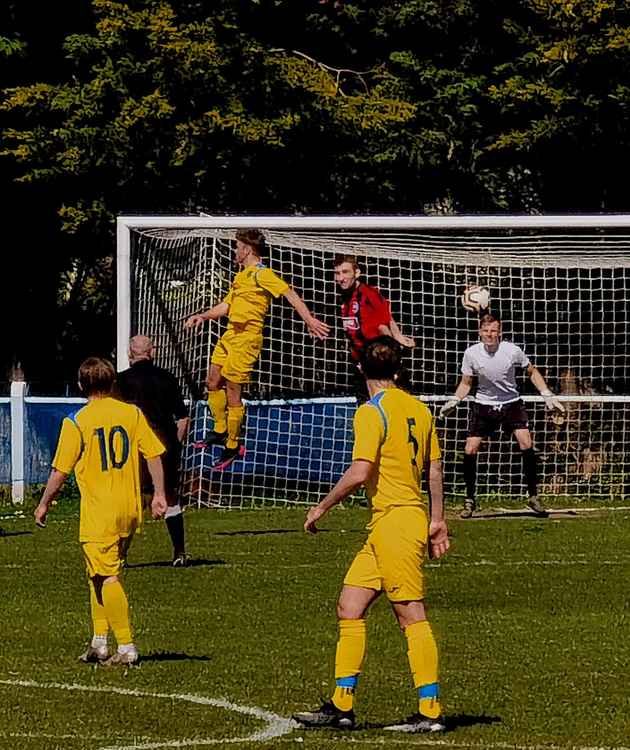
x=157, y=394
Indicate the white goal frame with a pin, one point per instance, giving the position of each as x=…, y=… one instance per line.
x=127, y=225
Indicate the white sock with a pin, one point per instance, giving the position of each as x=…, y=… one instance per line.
x=99, y=641
x=127, y=648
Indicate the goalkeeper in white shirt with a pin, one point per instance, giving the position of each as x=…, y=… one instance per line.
x=497, y=404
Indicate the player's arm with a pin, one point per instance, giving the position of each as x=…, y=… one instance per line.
x=68, y=450
x=354, y=476
x=214, y=313
x=462, y=390
x=182, y=428
x=541, y=386
x=397, y=335
x=180, y=412
x=54, y=484
x=156, y=470
x=438, y=530
x=316, y=327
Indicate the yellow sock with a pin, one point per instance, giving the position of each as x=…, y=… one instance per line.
x=423, y=660
x=100, y=625
x=217, y=401
x=235, y=416
x=117, y=609
x=348, y=661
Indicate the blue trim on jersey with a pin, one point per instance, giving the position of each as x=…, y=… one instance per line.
x=347, y=682
x=260, y=267
x=429, y=691
x=73, y=418
x=376, y=401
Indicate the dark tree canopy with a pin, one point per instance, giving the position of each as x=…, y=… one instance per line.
x=274, y=106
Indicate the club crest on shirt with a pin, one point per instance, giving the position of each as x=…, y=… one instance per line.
x=350, y=323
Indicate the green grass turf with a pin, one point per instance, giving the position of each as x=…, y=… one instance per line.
x=531, y=618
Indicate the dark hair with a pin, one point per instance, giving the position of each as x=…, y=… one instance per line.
x=381, y=358
x=487, y=319
x=96, y=375
x=352, y=259
x=254, y=238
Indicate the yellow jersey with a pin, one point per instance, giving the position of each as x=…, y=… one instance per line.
x=396, y=433
x=251, y=292
x=102, y=442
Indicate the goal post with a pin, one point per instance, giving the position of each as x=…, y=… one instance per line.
x=560, y=284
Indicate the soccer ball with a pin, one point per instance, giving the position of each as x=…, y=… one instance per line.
x=475, y=298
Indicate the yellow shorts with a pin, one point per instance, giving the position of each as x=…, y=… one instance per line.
x=105, y=558
x=236, y=353
x=392, y=557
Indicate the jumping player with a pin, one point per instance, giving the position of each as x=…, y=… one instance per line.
x=236, y=353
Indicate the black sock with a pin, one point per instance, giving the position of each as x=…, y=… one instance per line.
x=175, y=526
x=470, y=475
x=529, y=471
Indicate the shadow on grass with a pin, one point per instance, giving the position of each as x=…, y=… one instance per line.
x=257, y=532
x=264, y=532
x=455, y=721
x=172, y=656
x=523, y=513
x=193, y=563
x=4, y=532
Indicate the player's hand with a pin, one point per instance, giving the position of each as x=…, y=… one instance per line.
x=407, y=341
x=194, y=321
x=158, y=506
x=40, y=515
x=318, y=328
x=553, y=403
x=313, y=515
x=449, y=406
x=438, y=538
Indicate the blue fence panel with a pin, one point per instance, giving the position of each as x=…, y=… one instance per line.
x=5, y=443
x=309, y=441
x=42, y=423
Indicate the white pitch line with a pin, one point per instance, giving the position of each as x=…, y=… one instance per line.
x=277, y=726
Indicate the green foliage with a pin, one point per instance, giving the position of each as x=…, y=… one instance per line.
x=330, y=107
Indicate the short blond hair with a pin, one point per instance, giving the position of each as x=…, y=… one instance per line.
x=96, y=375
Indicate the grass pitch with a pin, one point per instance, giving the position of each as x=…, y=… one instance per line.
x=531, y=617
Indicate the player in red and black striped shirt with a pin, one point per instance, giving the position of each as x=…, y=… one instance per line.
x=365, y=313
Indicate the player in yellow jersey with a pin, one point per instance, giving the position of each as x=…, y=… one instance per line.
x=394, y=443
x=236, y=353
x=101, y=442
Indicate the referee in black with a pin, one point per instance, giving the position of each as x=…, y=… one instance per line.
x=157, y=394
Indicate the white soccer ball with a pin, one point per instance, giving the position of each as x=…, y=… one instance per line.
x=475, y=298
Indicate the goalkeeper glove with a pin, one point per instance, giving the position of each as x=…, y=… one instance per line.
x=551, y=402
x=449, y=406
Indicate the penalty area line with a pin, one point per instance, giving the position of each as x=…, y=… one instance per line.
x=276, y=725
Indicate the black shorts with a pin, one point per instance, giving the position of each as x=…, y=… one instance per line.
x=485, y=420
x=170, y=464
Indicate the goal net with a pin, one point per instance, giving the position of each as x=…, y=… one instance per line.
x=562, y=293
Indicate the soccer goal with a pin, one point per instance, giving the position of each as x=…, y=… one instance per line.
x=560, y=284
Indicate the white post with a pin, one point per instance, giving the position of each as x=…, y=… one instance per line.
x=123, y=293
x=18, y=391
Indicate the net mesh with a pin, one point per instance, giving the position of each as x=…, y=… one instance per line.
x=562, y=296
